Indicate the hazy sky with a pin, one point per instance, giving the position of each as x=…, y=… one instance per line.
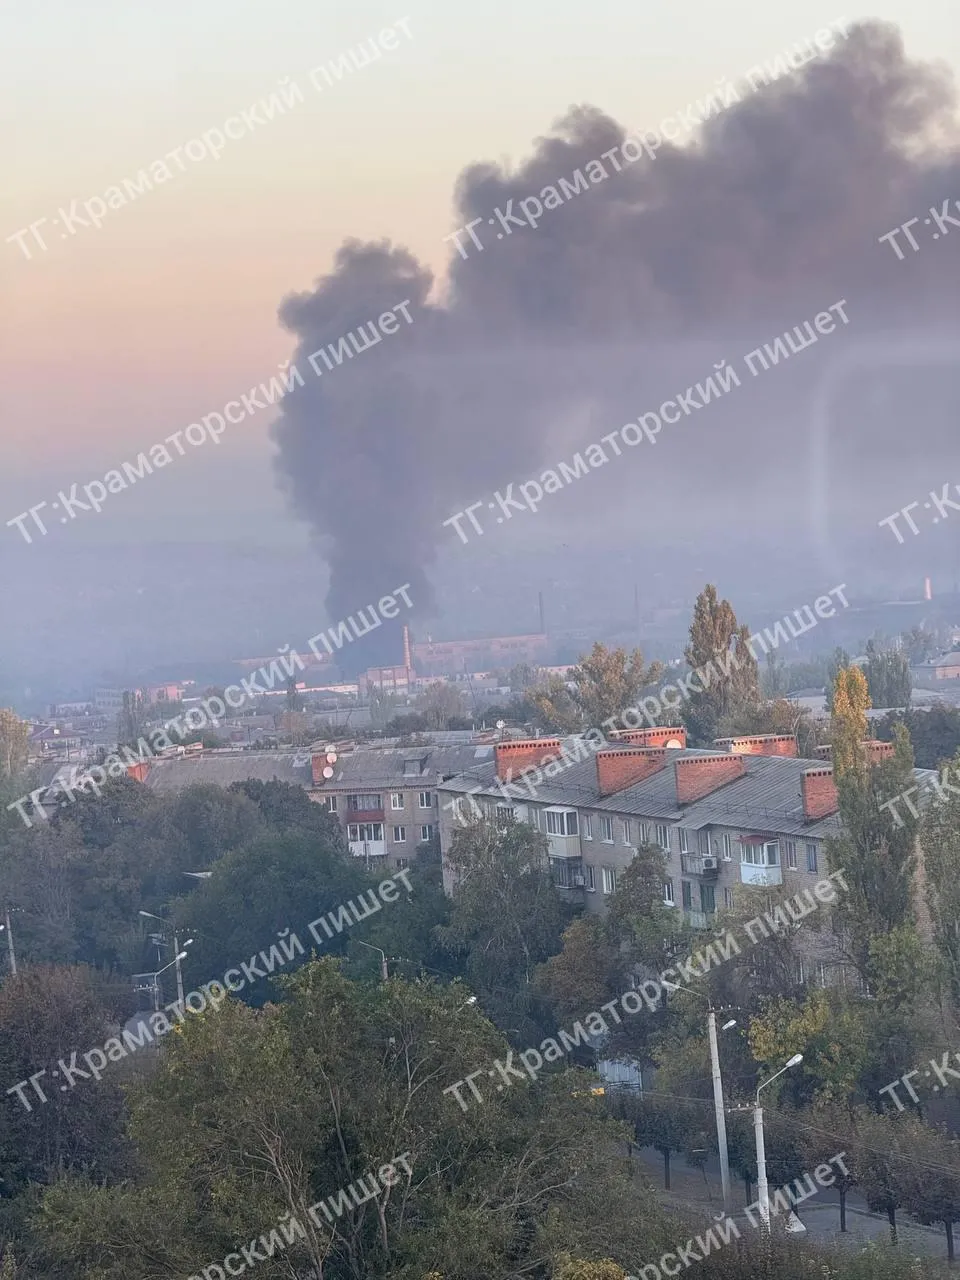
x=116, y=337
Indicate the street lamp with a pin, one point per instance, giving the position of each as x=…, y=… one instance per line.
x=763, y=1196
x=718, y=1096
x=178, y=955
x=383, y=957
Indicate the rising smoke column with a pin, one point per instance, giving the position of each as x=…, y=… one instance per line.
x=600, y=312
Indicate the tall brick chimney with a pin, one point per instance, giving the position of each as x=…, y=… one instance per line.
x=697, y=776
x=760, y=744
x=624, y=766
x=407, y=659
x=653, y=737
x=819, y=793
x=511, y=757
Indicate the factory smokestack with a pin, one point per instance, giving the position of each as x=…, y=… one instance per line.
x=407, y=660
x=927, y=589
x=543, y=625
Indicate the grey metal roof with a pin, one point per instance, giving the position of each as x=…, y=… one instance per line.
x=213, y=769
x=386, y=768
x=765, y=798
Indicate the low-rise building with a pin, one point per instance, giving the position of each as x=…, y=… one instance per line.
x=749, y=812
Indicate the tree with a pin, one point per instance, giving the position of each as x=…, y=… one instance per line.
x=584, y=974
x=14, y=737
x=47, y=1013
x=294, y=698
x=919, y=645
x=940, y=838
x=255, y=1115
x=934, y=732
x=830, y=1035
x=877, y=1170
x=557, y=708
x=929, y=1175
x=888, y=676
x=522, y=677
x=608, y=681
x=849, y=705
x=826, y=1128
x=719, y=642
x=661, y=1124
x=439, y=703
x=279, y=881
x=507, y=916
x=132, y=718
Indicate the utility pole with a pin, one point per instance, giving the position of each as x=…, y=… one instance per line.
x=384, y=971
x=13, y=956
x=718, y=1107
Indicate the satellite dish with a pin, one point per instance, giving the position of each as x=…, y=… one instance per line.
x=327, y=772
x=501, y=724
x=331, y=757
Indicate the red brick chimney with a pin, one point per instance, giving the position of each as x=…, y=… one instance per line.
x=877, y=751
x=511, y=757
x=698, y=776
x=760, y=744
x=819, y=793
x=655, y=737
x=624, y=766
x=139, y=771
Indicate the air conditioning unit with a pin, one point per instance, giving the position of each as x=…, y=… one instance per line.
x=578, y=882
x=709, y=862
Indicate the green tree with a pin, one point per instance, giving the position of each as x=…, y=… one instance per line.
x=610, y=680
x=940, y=839
x=826, y=1128
x=919, y=644
x=507, y=917
x=132, y=719
x=439, y=703
x=557, y=709
x=716, y=637
x=888, y=676
x=255, y=1115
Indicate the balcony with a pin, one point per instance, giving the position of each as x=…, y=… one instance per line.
x=760, y=877
x=563, y=846
x=698, y=919
x=368, y=848
x=699, y=864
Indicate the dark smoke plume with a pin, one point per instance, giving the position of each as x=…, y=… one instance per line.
x=553, y=336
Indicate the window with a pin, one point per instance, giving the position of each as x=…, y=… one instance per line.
x=708, y=898
x=403, y=862
x=728, y=898
x=396, y=800
x=822, y=974
x=504, y=813
x=727, y=847
x=766, y=854
x=801, y=974
x=627, y=832
x=364, y=802
x=426, y=800
x=368, y=831
x=609, y=880
x=663, y=836
x=590, y=882
x=561, y=822
x=560, y=871
x=400, y=835
x=686, y=896
x=606, y=829
x=684, y=839
x=668, y=892
x=791, y=850
x=587, y=827
x=535, y=819
x=643, y=833
x=811, y=857
x=331, y=804
x=426, y=832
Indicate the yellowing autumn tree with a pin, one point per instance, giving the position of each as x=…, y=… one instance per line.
x=848, y=708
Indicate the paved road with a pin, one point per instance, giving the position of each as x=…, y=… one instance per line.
x=820, y=1214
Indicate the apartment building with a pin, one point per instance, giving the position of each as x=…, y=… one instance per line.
x=749, y=812
x=386, y=799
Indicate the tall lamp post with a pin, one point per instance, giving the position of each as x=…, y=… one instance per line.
x=9, y=928
x=718, y=1104
x=178, y=955
x=181, y=955
x=763, y=1195
x=384, y=971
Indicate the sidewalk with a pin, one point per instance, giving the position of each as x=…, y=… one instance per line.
x=820, y=1214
